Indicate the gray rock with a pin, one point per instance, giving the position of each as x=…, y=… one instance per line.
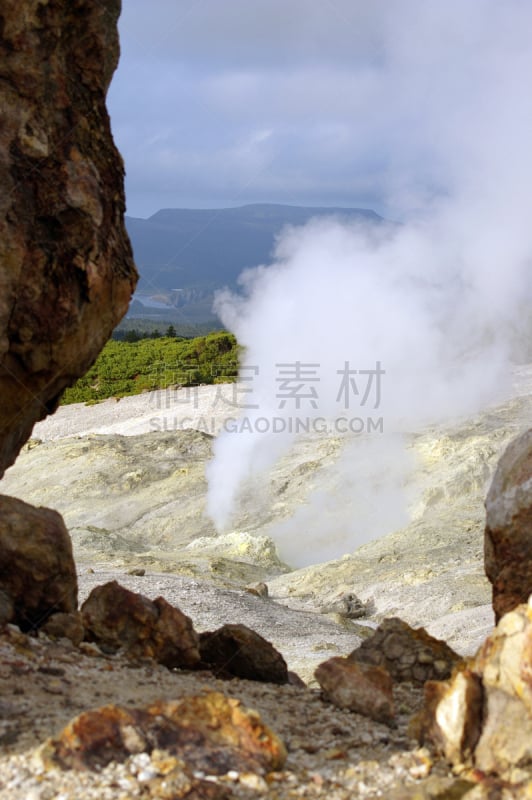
x=408, y=654
x=348, y=606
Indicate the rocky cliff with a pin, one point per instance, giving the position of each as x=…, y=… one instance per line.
x=66, y=267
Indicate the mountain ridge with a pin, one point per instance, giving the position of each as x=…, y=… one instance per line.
x=185, y=255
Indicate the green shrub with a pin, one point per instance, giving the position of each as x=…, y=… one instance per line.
x=127, y=368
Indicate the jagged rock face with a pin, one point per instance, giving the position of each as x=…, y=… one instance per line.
x=508, y=535
x=482, y=717
x=66, y=267
x=37, y=571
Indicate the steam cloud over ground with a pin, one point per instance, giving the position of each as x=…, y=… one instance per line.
x=439, y=300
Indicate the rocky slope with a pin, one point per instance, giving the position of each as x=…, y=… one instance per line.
x=146, y=491
x=138, y=500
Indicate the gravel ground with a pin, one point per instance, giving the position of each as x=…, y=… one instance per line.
x=200, y=407
x=332, y=754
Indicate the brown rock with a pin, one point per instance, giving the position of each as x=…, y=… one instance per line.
x=65, y=626
x=118, y=619
x=37, y=571
x=66, y=268
x=508, y=534
x=211, y=733
x=408, y=654
x=238, y=651
x=483, y=716
x=259, y=589
x=363, y=688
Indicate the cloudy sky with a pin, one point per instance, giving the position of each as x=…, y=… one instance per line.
x=327, y=102
x=419, y=109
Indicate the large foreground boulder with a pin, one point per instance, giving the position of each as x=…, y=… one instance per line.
x=508, y=534
x=482, y=717
x=66, y=267
x=37, y=571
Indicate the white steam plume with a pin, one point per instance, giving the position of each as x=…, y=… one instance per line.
x=440, y=299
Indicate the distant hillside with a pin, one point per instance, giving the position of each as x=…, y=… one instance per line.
x=184, y=255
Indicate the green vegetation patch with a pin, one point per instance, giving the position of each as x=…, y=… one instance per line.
x=128, y=368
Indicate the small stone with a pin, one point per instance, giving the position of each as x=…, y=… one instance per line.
x=255, y=783
x=421, y=765
x=348, y=605
x=146, y=775
x=258, y=589
x=334, y=753
x=139, y=761
x=137, y=571
x=165, y=763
